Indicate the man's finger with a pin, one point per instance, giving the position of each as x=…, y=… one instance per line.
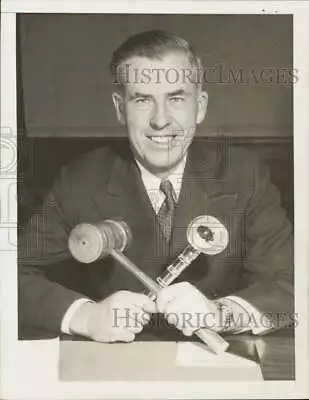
x=165, y=296
x=124, y=335
x=145, y=318
x=176, y=305
x=187, y=331
x=172, y=318
x=150, y=306
x=135, y=328
x=176, y=290
x=139, y=299
x=136, y=316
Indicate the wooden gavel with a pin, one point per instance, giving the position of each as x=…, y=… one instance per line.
x=205, y=234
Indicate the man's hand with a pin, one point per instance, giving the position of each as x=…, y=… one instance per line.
x=187, y=308
x=119, y=317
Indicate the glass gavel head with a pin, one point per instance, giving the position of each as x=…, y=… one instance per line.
x=91, y=242
x=207, y=235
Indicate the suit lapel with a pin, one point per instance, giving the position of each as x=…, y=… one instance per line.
x=203, y=192
x=125, y=198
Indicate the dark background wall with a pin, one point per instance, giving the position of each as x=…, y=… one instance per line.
x=67, y=86
x=64, y=89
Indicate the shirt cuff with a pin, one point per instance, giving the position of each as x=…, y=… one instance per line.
x=259, y=323
x=66, y=320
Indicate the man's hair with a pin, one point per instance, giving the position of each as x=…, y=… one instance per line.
x=152, y=44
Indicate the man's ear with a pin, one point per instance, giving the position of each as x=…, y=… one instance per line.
x=202, y=106
x=119, y=106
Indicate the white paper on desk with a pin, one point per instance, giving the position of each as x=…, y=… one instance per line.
x=197, y=354
x=37, y=367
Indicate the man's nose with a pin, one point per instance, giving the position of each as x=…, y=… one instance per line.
x=160, y=117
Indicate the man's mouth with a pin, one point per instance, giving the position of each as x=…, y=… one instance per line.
x=162, y=139
x=165, y=139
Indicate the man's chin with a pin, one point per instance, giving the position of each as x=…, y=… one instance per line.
x=162, y=170
x=158, y=164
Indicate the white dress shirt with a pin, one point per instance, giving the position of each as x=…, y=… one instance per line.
x=152, y=186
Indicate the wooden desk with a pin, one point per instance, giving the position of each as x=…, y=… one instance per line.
x=278, y=358
x=83, y=360
x=275, y=353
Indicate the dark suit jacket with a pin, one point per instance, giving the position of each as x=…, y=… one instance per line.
x=218, y=180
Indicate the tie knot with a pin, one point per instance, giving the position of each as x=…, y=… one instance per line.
x=166, y=187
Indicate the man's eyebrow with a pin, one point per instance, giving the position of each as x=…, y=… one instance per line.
x=145, y=95
x=177, y=92
x=139, y=94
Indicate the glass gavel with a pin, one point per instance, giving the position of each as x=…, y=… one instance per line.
x=205, y=234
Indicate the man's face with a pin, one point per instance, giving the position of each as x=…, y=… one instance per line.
x=161, y=109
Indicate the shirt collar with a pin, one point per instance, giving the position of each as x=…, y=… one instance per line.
x=152, y=182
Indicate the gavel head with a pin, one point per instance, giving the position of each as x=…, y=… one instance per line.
x=91, y=242
x=207, y=235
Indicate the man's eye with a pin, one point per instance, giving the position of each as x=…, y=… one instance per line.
x=142, y=100
x=177, y=99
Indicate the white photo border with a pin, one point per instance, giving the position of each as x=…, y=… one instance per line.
x=18, y=383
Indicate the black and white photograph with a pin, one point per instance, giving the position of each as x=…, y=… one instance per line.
x=155, y=235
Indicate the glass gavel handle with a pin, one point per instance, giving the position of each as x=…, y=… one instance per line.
x=184, y=259
x=212, y=339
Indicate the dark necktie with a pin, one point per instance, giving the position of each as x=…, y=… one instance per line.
x=167, y=210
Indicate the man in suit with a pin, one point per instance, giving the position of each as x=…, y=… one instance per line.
x=158, y=185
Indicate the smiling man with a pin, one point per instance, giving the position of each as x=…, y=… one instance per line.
x=160, y=115
x=158, y=185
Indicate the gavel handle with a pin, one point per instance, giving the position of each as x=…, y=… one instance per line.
x=131, y=267
x=211, y=338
